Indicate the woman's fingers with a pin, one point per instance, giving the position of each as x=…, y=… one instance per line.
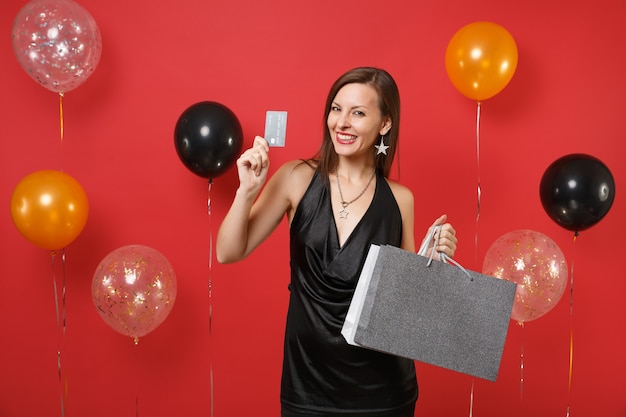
x=447, y=240
x=256, y=157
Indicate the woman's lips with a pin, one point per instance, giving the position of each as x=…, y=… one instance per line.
x=345, y=138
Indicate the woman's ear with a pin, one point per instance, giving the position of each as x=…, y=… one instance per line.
x=386, y=127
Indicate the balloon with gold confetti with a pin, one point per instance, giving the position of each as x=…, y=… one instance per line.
x=536, y=264
x=134, y=289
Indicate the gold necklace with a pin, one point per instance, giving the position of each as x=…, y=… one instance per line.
x=343, y=214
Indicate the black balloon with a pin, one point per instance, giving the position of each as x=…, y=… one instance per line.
x=208, y=138
x=577, y=191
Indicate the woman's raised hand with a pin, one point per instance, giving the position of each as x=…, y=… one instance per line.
x=253, y=165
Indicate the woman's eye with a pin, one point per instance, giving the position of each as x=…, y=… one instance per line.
x=359, y=113
x=335, y=108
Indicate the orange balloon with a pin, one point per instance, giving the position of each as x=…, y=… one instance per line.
x=49, y=208
x=481, y=59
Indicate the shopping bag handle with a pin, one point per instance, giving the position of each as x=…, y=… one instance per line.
x=433, y=234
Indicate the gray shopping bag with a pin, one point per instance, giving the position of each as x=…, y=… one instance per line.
x=432, y=312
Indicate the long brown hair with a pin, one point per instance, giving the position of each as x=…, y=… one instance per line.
x=389, y=104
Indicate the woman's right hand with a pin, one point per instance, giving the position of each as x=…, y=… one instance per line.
x=253, y=165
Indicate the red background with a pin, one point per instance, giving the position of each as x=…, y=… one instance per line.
x=567, y=96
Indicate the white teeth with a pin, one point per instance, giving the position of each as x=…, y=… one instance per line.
x=345, y=137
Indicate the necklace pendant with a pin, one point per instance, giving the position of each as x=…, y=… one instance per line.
x=343, y=214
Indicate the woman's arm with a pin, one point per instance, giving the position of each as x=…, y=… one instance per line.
x=255, y=214
x=447, y=239
x=249, y=222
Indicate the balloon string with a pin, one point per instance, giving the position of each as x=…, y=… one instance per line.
x=60, y=316
x=210, y=294
x=478, y=189
x=210, y=238
x=63, y=290
x=61, y=125
x=571, y=332
x=521, y=379
x=471, y=409
x=136, y=347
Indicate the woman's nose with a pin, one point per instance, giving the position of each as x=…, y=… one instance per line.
x=343, y=119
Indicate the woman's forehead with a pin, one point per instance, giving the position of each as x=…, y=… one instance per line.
x=357, y=94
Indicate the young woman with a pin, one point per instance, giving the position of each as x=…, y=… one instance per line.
x=337, y=204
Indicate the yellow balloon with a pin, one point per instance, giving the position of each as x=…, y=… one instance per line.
x=49, y=208
x=481, y=59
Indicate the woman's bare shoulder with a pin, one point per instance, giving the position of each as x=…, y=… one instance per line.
x=293, y=178
x=402, y=193
x=298, y=170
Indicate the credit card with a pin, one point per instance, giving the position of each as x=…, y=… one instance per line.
x=275, y=127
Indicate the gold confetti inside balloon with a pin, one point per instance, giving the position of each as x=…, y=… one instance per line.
x=133, y=289
x=536, y=264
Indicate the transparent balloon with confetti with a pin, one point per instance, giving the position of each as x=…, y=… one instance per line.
x=134, y=289
x=536, y=264
x=57, y=43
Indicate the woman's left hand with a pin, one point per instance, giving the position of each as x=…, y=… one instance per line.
x=446, y=239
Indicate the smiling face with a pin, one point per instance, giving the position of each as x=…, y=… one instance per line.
x=355, y=122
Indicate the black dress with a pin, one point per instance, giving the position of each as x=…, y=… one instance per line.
x=322, y=374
